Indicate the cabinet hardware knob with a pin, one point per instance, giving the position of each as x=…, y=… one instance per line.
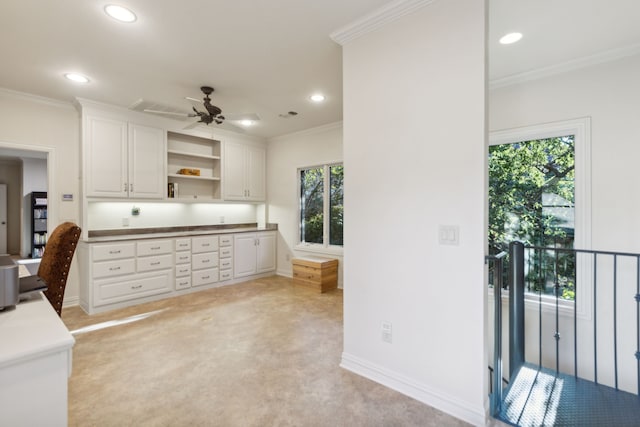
x=155, y=263
x=114, y=268
x=136, y=287
x=155, y=248
x=115, y=252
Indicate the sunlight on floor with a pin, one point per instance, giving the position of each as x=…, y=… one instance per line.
x=118, y=322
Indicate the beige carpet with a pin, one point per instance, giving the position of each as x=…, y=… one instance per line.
x=261, y=353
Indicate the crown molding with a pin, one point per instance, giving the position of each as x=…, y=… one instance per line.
x=574, y=64
x=35, y=98
x=377, y=19
x=305, y=132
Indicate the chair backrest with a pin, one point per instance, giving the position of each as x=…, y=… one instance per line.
x=56, y=262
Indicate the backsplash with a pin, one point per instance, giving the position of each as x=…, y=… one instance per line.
x=116, y=215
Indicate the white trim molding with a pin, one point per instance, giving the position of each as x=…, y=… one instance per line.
x=377, y=19
x=409, y=387
x=574, y=64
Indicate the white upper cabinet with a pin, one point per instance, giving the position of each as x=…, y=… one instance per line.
x=106, y=156
x=244, y=172
x=146, y=162
x=123, y=160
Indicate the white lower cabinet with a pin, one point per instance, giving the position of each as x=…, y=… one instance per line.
x=254, y=253
x=128, y=272
x=204, y=260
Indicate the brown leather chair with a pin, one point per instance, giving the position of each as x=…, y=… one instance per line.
x=56, y=262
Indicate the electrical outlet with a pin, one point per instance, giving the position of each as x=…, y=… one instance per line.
x=125, y=221
x=287, y=257
x=221, y=219
x=387, y=332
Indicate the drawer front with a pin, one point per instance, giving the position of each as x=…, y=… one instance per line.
x=183, y=244
x=226, y=275
x=113, y=268
x=154, y=263
x=110, y=292
x=113, y=251
x=183, y=282
x=226, y=263
x=183, y=257
x=208, y=260
x=183, y=270
x=226, y=240
x=204, y=277
x=204, y=244
x=154, y=247
x=226, y=252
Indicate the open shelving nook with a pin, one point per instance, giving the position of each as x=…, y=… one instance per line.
x=193, y=152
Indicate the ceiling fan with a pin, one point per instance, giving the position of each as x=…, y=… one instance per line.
x=213, y=114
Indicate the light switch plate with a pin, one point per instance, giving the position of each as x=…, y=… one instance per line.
x=449, y=235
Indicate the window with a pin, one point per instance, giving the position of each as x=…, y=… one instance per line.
x=321, y=207
x=540, y=193
x=531, y=199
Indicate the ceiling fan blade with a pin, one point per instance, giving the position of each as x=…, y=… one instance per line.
x=194, y=99
x=229, y=126
x=169, y=113
x=191, y=126
x=242, y=116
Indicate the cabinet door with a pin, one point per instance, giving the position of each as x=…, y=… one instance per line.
x=234, y=172
x=266, y=252
x=147, y=152
x=244, y=254
x=105, y=167
x=255, y=174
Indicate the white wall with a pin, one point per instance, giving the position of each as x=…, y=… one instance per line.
x=285, y=154
x=54, y=127
x=608, y=94
x=415, y=159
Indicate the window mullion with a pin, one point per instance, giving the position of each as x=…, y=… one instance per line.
x=326, y=208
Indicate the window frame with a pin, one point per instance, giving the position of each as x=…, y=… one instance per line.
x=581, y=129
x=323, y=247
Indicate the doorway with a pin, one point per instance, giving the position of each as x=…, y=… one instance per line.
x=24, y=169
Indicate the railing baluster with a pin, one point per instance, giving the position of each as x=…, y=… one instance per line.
x=615, y=318
x=556, y=335
x=595, y=318
x=541, y=279
x=575, y=318
x=637, y=298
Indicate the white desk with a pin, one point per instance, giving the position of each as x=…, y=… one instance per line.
x=35, y=365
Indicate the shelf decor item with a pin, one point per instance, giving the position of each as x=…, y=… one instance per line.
x=189, y=171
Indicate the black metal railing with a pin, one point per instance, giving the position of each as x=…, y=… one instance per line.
x=598, y=305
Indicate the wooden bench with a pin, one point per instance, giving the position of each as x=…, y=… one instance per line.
x=317, y=273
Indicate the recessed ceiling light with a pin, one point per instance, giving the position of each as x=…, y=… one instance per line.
x=246, y=122
x=120, y=13
x=318, y=97
x=510, y=38
x=78, y=78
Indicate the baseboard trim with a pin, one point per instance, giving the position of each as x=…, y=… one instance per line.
x=70, y=302
x=395, y=381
